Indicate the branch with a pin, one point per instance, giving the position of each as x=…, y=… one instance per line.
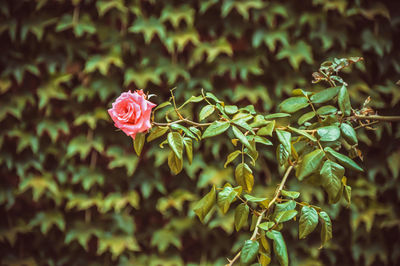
x=377, y=117
x=183, y=120
x=277, y=193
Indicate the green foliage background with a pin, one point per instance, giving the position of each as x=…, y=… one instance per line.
x=72, y=191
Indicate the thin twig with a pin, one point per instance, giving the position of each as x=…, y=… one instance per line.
x=276, y=196
x=183, y=120
x=377, y=117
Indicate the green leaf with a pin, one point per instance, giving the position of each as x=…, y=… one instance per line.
x=285, y=216
x=174, y=163
x=293, y=104
x=196, y=131
x=310, y=164
x=276, y=115
x=156, y=133
x=203, y=206
x=267, y=130
x=344, y=160
x=327, y=110
x=325, y=95
x=175, y=141
x=344, y=101
x=305, y=117
x=162, y=105
x=241, y=215
x=225, y=198
x=290, y=194
x=254, y=199
x=282, y=154
x=184, y=129
x=303, y=133
x=331, y=175
x=189, y=149
x=266, y=225
x=279, y=247
x=261, y=140
x=281, y=207
x=249, y=251
x=241, y=137
x=232, y=156
x=284, y=137
x=329, y=133
x=244, y=177
x=349, y=133
x=243, y=124
x=138, y=143
x=216, y=128
x=308, y=221
x=206, y=111
x=326, y=230
x=231, y=109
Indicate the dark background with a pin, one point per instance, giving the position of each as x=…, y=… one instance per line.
x=72, y=191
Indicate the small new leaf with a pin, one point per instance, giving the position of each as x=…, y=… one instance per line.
x=138, y=143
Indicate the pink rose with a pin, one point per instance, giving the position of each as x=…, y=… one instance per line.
x=131, y=112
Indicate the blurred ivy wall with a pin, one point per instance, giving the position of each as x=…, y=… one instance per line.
x=72, y=191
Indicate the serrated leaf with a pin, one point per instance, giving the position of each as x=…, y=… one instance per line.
x=326, y=230
x=175, y=141
x=244, y=177
x=293, y=104
x=344, y=160
x=279, y=247
x=138, y=143
x=349, y=133
x=206, y=111
x=308, y=221
x=216, y=128
x=325, y=95
x=203, y=206
x=310, y=164
x=249, y=251
x=344, y=101
x=241, y=215
x=232, y=156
